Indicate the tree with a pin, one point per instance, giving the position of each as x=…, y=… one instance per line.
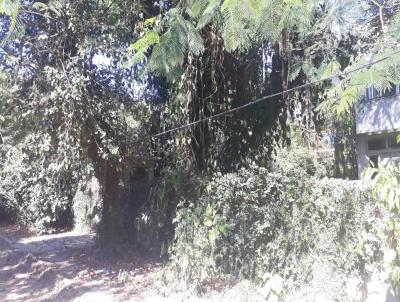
x=73, y=99
x=221, y=54
x=11, y=10
x=68, y=108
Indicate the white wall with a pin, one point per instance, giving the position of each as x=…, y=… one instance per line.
x=378, y=115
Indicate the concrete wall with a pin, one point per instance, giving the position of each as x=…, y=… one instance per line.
x=374, y=119
x=380, y=115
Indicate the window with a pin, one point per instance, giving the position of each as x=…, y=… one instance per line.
x=370, y=93
x=392, y=142
x=376, y=144
x=373, y=93
x=374, y=161
x=384, y=143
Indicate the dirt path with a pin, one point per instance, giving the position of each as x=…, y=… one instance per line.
x=68, y=267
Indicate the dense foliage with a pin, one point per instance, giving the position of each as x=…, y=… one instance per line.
x=85, y=86
x=285, y=220
x=70, y=85
x=67, y=101
x=386, y=188
x=221, y=54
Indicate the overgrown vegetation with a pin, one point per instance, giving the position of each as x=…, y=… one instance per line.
x=64, y=113
x=282, y=220
x=386, y=182
x=86, y=86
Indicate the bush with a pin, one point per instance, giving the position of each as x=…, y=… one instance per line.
x=278, y=221
x=37, y=194
x=153, y=224
x=10, y=164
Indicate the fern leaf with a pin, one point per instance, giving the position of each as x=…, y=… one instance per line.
x=169, y=49
x=208, y=13
x=234, y=32
x=142, y=45
x=11, y=8
x=194, y=8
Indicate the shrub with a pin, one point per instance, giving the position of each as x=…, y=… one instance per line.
x=10, y=164
x=279, y=220
x=39, y=195
x=386, y=187
x=153, y=224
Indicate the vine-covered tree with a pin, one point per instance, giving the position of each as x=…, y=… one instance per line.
x=70, y=90
x=72, y=99
x=222, y=54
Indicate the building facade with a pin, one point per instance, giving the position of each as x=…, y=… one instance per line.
x=377, y=127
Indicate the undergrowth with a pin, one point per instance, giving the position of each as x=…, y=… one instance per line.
x=285, y=222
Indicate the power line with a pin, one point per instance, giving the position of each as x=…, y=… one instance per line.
x=367, y=65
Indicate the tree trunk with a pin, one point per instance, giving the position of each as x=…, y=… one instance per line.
x=109, y=231
x=108, y=192
x=279, y=104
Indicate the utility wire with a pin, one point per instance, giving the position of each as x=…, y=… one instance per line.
x=367, y=65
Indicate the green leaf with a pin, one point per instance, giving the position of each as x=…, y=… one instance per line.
x=223, y=229
x=295, y=70
x=143, y=44
x=195, y=9
x=40, y=6
x=208, y=13
x=208, y=221
x=150, y=22
x=213, y=234
x=149, y=39
x=330, y=69
x=208, y=212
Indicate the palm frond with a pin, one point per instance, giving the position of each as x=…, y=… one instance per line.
x=11, y=9
x=208, y=13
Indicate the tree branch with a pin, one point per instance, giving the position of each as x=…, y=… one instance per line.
x=380, y=13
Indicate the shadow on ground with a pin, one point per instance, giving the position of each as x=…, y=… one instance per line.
x=69, y=267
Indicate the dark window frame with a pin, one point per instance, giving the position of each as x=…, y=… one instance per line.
x=372, y=93
x=392, y=142
x=377, y=144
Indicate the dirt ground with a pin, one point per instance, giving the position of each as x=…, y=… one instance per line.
x=69, y=267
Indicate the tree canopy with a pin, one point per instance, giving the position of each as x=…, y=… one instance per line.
x=86, y=85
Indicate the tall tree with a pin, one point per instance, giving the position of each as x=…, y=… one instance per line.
x=221, y=54
x=75, y=99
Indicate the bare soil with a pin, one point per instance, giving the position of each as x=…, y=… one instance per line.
x=69, y=267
